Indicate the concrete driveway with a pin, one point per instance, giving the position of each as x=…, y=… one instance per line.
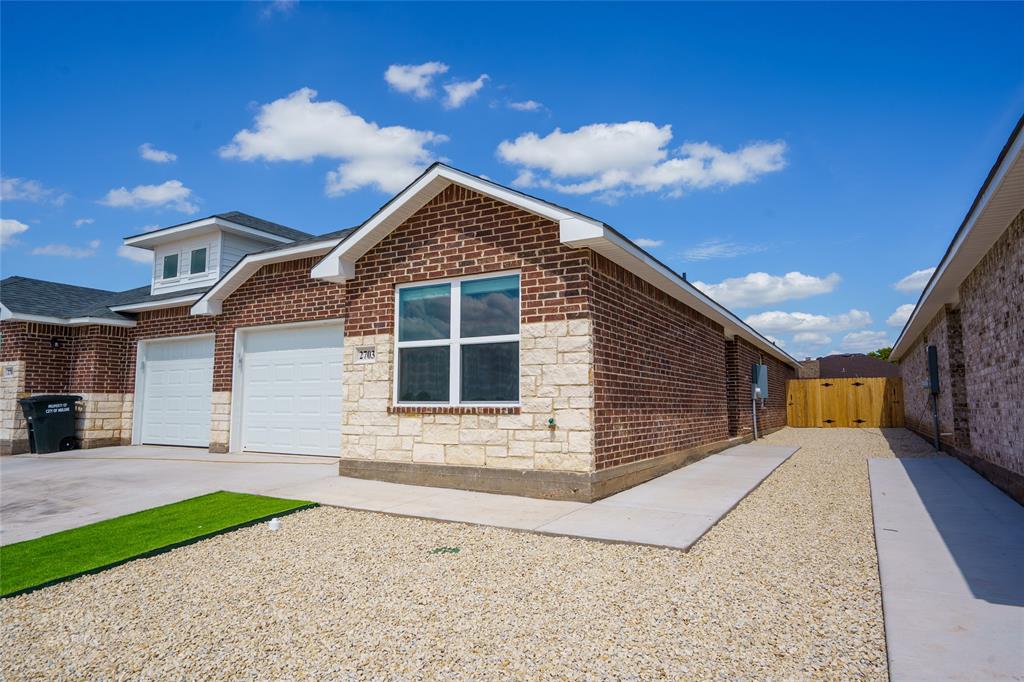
x=42, y=494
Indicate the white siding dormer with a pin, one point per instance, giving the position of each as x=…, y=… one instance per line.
x=234, y=247
x=183, y=277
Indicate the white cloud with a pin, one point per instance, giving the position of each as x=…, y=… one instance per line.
x=135, y=254
x=862, y=342
x=171, y=193
x=915, y=282
x=296, y=128
x=618, y=158
x=526, y=105
x=66, y=250
x=9, y=229
x=84, y=221
x=414, y=79
x=716, y=248
x=20, y=189
x=760, y=288
x=812, y=338
x=458, y=92
x=151, y=153
x=648, y=243
x=782, y=322
x=900, y=315
x=278, y=7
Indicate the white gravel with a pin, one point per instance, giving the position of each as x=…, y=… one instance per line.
x=785, y=587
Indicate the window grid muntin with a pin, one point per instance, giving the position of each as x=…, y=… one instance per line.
x=455, y=342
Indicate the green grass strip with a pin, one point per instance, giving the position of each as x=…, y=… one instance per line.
x=32, y=564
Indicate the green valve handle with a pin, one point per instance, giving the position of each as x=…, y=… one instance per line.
x=551, y=422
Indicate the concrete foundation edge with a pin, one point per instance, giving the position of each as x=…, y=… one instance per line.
x=548, y=485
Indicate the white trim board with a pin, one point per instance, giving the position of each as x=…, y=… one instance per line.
x=150, y=239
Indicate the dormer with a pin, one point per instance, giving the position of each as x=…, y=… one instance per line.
x=196, y=254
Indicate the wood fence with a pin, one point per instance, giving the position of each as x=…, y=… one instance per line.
x=832, y=403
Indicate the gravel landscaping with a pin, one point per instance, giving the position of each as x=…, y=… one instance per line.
x=784, y=587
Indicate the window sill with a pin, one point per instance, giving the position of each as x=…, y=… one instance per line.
x=454, y=409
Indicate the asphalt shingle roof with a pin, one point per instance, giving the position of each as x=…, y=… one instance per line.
x=248, y=221
x=65, y=301
x=53, y=299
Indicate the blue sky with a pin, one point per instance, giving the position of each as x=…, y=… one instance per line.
x=832, y=148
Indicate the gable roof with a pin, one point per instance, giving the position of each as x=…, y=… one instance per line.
x=210, y=302
x=997, y=203
x=575, y=229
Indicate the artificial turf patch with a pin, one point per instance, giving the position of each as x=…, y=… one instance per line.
x=32, y=564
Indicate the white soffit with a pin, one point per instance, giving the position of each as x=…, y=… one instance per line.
x=175, y=302
x=575, y=229
x=210, y=303
x=999, y=202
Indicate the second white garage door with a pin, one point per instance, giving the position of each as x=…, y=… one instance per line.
x=291, y=389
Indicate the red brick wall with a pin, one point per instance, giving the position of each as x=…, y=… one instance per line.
x=992, y=305
x=659, y=371
x=89, y=358
x=740, y=355
x=917, y=398
x=461, y=232
x=279, y=293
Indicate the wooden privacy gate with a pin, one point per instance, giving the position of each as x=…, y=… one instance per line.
x=844, y=402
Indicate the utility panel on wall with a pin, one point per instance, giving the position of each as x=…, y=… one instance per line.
x=759, y=381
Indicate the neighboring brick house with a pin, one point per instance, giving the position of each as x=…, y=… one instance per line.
x=465, y=335
x=972, y=312
x=847, y=365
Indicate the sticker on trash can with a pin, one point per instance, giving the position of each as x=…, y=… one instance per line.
x=56, y=408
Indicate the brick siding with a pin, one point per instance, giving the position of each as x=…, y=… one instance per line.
x=980, y=348
x=740, y=356
x=992, y=313
x=461, y=232
x=659, y=371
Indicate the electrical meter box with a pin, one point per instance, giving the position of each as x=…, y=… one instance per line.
x=759, y=381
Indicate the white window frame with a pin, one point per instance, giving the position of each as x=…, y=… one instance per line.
x=163, y=267
x=206, y=260
x=455, y=342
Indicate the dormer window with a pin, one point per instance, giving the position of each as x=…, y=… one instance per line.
x=198, y=261
x=171, y=266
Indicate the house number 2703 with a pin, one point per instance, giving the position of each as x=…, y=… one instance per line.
x=365, y=355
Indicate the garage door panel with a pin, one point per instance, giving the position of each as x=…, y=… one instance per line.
x=291, y=394
x=177, y=378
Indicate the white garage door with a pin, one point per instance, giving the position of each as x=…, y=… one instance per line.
x=291, y=390
x=177, y=383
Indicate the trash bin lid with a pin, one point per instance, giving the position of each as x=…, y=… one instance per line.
x=50, y=398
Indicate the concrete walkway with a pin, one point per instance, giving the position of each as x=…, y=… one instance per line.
x=674, y=510
x=43, y=494
x=951, y=561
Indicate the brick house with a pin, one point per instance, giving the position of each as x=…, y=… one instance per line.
x=465, y=335
x=972, y=312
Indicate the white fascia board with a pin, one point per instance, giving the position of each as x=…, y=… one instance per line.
x=7, y=314
x=625, y=253
x=157, y=237
x=156, y=305
x=339, y=264
x=210, y=302
x=950, y=273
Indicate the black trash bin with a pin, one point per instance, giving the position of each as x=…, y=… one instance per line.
x=51, y=422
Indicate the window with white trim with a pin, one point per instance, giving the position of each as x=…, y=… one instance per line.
x=170, y=266
x=457, y=341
